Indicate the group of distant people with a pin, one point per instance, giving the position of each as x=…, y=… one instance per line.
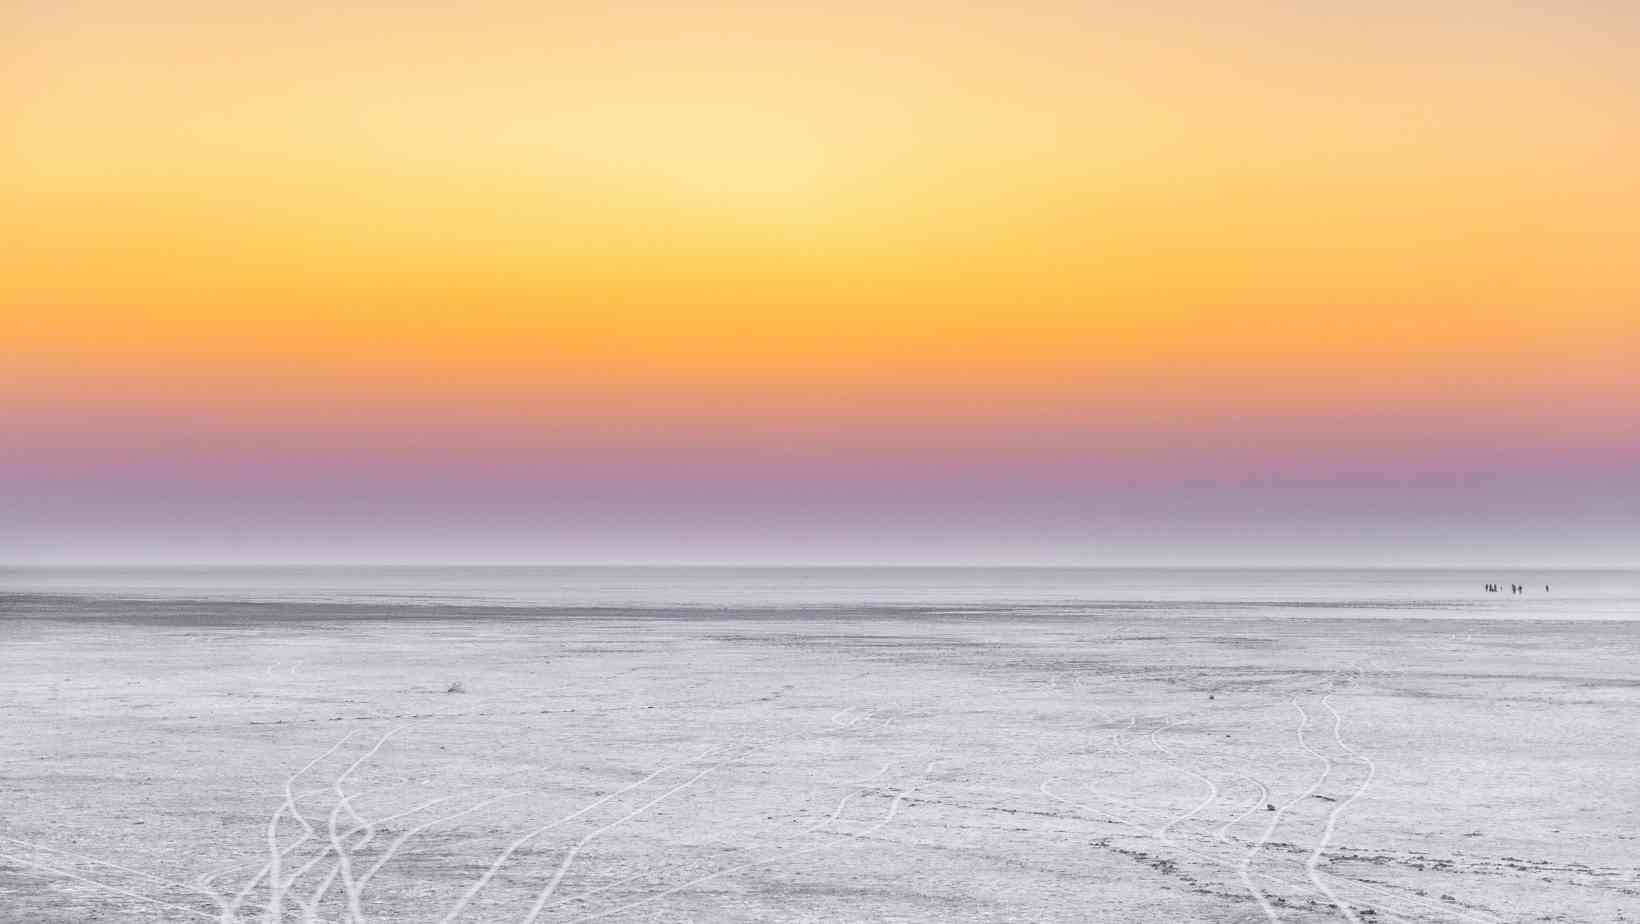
x=1513, y=588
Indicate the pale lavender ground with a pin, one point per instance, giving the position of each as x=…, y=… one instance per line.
x=812, y=766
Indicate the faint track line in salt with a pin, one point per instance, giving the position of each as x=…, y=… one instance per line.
x=344, y=856
x=1212, y=787
x=575, y=848
x=69, y=874
x=204, y=880
x=1208, y=858
x=1312, y=865
x=893, y=809
x=402, y=839
x=276, y=855
x=1222, y=835
x=1313, y=861
x=1358, y=673
x=837, y=720
x=368, y=831
x=158, y=880
x=1213, y=795
x=1275, y=820
x=518, y=844
x=825, y=822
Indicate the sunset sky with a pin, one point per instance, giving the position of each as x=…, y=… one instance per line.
x=1056, y=282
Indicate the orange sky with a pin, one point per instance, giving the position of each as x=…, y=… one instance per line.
x=865, y=228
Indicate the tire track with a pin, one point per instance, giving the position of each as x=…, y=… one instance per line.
x=1212, y=787
x=574, y=850
x=518, y=844
x=344, y=856
x=579, y=896
x=158, y=880
x=271, y=870
x=893, y=809
x=402, y=839
x=69, y=874
x=1281, y=811
x=1198, y=855
x=1313, y=863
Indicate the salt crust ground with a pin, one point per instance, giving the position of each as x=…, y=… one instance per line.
x=223, y=763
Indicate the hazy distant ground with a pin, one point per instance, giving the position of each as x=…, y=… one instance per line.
x=159, y=759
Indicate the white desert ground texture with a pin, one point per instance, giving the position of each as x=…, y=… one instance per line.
x=304, y=763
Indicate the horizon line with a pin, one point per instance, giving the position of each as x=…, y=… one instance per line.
x=795, y=565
